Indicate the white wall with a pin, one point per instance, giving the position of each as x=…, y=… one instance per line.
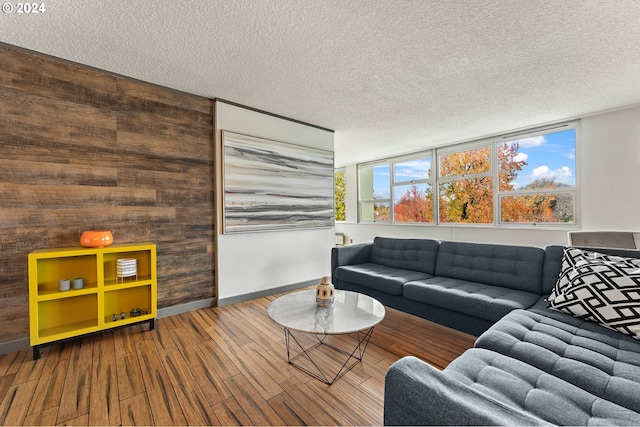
x=249, y=263
x=609, y=170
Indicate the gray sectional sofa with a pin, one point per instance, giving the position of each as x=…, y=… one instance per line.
x=530, y=365
x=466, y=286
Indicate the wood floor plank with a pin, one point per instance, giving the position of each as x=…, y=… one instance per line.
x=162, y=338
x=81, y=350
x=233, y=329
x=362, y=405
x=203, y=318
x=44, y=418
x=162, y=399
x=314, y=402
x=194, y=328
x=271, y=365
x=29, y=371
x=82, y=420
x=224, y=366
x=5, y=383
x=13, y=409
x=135, y=411
x=385, y=335
x=253, y=308
x=59, y=351
x=125, y=339
x=193, y=403
x=49, y=390
x=104, y=400
x=250, y=399
x=10, y=363
x=223, y=341
x=170, y=322
x=213, y=366
x=264, y=329
x=230, y=312
x=206, y=376
x=230, y=413
x=130, y=381
x=256, y=374
x=74, y=400
x=290, y=411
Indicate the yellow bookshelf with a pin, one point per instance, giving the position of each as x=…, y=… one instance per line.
x=105, y=301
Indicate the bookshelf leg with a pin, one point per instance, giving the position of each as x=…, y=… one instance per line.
x=152, y=324
x=36, y=352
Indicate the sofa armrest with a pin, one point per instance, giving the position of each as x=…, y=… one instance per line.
x=349, y=255
x=416, y=393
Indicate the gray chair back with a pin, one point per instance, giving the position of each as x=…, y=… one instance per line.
x=602, y=239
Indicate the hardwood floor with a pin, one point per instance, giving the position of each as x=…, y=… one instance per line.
x=215, y=366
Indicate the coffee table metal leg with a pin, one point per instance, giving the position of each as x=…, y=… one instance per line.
x=360, y=348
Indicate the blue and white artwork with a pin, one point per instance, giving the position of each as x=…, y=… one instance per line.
x=271, y=185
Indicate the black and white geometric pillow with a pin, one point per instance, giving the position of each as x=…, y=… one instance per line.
x=600, y=288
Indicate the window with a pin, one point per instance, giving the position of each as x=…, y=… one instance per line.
x=412, y=192
x=465, y=186
x=538, y=178
x=407, y=181
x=529, y=178
x=374, y=183
x=339, y=195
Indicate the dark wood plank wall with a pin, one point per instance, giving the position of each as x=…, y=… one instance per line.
x=82, y=149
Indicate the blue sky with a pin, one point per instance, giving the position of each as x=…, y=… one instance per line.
x=551, y=156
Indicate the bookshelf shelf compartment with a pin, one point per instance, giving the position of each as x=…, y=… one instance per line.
x=59, y=315
x=125, y=300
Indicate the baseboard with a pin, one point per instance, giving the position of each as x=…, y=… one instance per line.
x=16, y=345
x=183, y=308
x=266, y=292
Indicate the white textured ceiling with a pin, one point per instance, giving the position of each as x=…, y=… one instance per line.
x=389, y=76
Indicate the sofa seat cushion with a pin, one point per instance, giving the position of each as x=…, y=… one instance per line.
x=603, y=362
x=379, y=277
x=476, y=299
x=527, y=388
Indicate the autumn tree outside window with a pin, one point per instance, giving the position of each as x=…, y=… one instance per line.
x=412, y=190
x=538, y=177
x=529, y=178
x=339, y=195
x=465, y=186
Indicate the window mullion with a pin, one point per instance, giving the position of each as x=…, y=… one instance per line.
x=495, y=167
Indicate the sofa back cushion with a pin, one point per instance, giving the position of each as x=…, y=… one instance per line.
x=552, y=266
x=514, y=267
x=407, y=254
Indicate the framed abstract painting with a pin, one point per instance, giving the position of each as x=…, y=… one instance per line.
x=273, y=185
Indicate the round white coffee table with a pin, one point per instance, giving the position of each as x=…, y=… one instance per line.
x=350, y=313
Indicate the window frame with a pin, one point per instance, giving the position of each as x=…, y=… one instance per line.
x=362, y=201
x=393, y=186
x=459, y=148
x=396, y=184
x=574, y=191
x=493, y=143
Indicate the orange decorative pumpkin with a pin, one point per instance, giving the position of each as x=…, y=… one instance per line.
x=96, y=239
